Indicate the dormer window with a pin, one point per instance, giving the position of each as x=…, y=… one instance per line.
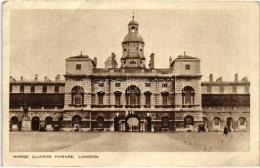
x=125, y=50
x=78, y=66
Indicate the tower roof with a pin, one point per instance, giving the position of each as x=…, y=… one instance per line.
x=133, y=22
x=133, y=37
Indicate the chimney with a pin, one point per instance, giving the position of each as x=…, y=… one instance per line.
x=219, y=79
x=245, y=79
x=151, y=64
x=35, y=77
x=170, y=61
x=95, y=60
x=21, y=78
x=211, y=77
x=12, y=79
x=114, y=63
x=57, y=78
x=236, y=77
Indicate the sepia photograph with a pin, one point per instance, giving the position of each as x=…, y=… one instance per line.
x=89, y=80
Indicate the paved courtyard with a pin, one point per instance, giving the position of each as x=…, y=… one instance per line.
x=127, y=142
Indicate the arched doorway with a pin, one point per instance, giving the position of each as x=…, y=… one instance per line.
x=165, y=123
x=14, y=123
x=35, y=123
x=132, y=123
x=100, y=123
x=48, y=123
x=216, y=123
x=133, y=95
x=188, y=120
x=230, y=123
x=148, y=124
x=76, y=120
x=241, y=123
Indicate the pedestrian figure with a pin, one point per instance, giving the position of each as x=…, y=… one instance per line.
x=226, y=130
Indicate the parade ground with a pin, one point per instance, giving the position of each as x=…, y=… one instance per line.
x=128, y=142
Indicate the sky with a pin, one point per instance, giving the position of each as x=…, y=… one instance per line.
x=41, y=40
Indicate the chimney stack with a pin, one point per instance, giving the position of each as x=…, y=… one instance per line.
x=151, y=64
x=236, y=77
x=95, y=60
x=170, y=61
x=57, y=78
x=211, y=77
x=21, y=78
x=35, y=77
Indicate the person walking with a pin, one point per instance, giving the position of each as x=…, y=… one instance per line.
x=226, y=130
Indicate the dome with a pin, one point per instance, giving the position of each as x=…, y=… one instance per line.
x=133, y=22
x=133, y=37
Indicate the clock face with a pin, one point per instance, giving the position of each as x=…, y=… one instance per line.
x=133, y=51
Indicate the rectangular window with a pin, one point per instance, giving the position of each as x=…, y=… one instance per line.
x=147, y=84
x=118, y=84
x=32, y=89
x=78, y=66
x=165, y=99
x=246, y=89
x=221, y=89
x=208, y=89
x=164, y=85
x=56, y=89
x=100, y=99
x=101, y=84
x=77, y=100
x=117, y=99
x=93, y=99
x=234, y=89
x=44, y=89
x=10, y=88
x=21, y=89
x=187, y=67
x=148, y=100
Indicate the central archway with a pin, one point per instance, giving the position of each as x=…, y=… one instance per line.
x=132, y=123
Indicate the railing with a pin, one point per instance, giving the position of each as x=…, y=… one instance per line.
x=188, y=105
x=164, y=106
x=132, y=106
x=118, y=106
x=100, y=106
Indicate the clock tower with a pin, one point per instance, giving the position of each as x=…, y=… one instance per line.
x=133, y=48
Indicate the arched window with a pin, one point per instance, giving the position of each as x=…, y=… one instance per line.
x=48, y=121
x=188, y=95
x=188, y=120
x=242, y=121
x=147, y=95
x=133, y=95
x=216, y=121
x=165, y=97
x=77, y=94
x=76, y=120
x=117, y=98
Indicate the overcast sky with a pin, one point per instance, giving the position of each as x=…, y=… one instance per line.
x=41, y=40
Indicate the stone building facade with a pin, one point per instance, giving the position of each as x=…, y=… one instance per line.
x=131, y=97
